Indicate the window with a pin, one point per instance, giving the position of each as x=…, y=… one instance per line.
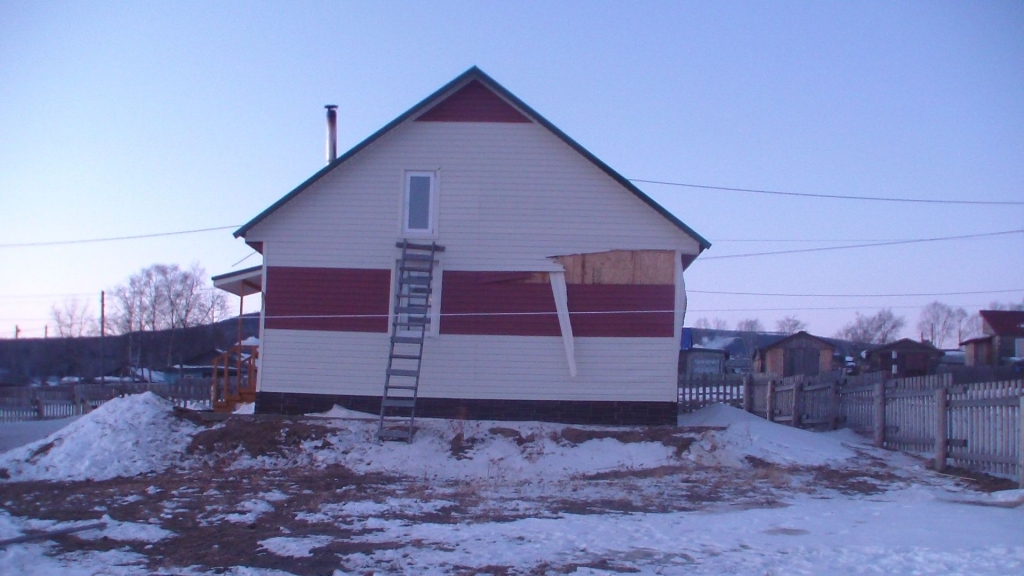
x=419, y=203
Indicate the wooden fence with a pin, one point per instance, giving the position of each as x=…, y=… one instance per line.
x=26, y=403
x=978, y=426
x=697, y=391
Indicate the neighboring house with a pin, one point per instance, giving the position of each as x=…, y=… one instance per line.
x=799, y=354
x=698, y=359
x=559, y=294
x=1002, y=340
x=904, y=358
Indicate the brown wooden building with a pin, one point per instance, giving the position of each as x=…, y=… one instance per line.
x=1002, y=340
x=910, y=358
x=800, y=354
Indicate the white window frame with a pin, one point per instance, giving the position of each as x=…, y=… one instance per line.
x=431, y=230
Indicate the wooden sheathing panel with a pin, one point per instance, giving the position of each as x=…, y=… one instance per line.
x=645, y=267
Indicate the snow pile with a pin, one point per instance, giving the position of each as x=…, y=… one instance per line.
x=123, y=437
x=748, y=435
x=504, y=452
x=340, y=412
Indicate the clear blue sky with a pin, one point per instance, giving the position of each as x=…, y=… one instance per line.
x=125, y=118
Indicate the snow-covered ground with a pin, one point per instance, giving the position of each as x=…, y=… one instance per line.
x=724, y=493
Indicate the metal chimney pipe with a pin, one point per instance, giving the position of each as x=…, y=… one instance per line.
x=332, y=132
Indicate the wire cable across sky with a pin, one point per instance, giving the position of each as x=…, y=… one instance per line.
x=836, y=196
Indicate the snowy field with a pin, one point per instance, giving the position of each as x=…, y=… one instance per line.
x=724, y=493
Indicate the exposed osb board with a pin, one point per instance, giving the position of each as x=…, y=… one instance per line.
x=619, y=267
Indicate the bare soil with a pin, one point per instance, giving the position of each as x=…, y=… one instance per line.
x=196, y=503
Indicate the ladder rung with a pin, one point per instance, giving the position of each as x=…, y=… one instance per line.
x=422, y=310
x=415, y=281
x=429, y=247
x=407, y=340
x=399, y=402
x=405, y=357
x=400, y=387
x=393, y=435
x=421, y=266
x=414, y=323
x=419, y=257
x=407, y=373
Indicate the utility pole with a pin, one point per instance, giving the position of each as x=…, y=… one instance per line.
x=103, y=321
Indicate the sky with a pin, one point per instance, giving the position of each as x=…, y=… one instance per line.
x=134, y=118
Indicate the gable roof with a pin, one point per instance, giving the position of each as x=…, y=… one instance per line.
x=906, y=344
x=474, y=75
x=1005, y=322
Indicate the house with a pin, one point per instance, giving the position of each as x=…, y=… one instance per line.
x=555, y=285
x=799, y=354
x=904, y=358
x=1001, y=342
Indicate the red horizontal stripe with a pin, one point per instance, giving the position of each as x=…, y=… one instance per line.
x=295, y=296
x=472, y=293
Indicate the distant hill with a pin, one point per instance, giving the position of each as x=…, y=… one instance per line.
x=27, y=359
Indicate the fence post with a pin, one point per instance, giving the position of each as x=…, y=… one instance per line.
x=748, y=393
x=769, y=401
x=833, y=405
x=879, y=414
x=1020, y=442
x=941, y=437
x=798, y=405
x=40, y=409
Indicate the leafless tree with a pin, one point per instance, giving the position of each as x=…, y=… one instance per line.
x=166, y=297
x=790, y=325
x=880, y=328
x=713, y=324
x=73, y=319
x=940, y=321
x=750, y=325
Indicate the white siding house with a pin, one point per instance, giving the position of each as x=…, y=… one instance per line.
x=523, y=212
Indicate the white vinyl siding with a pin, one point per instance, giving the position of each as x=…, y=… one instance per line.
x=477, y=367
x=514, y=195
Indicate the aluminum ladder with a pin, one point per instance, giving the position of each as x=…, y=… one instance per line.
x=408, y=330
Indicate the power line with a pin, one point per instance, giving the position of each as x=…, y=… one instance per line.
x=113, y=239
x=871, y=245
x=856, y=295
x=836, y=196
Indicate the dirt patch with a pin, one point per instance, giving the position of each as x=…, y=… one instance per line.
x=42, y=450
x=258, y=438
x=513, y=435
x=460, y=445
x=982, y=482
x=667, y=435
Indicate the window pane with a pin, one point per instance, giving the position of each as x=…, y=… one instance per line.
x=419, y=203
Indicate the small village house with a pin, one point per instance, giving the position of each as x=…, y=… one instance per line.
x=799, y=354
x=555, y=285
x=904, y=358
x=1001, y=342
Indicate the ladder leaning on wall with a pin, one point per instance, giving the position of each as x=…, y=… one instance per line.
x=409, y=325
